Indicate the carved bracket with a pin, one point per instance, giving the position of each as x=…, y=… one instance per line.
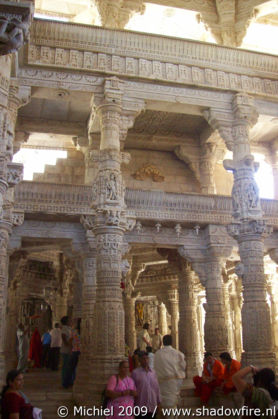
x=14, y=173
x=15, y=20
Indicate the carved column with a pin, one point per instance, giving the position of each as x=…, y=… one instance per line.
x=173, y=300
x=162, y=319
x=249, y=229
x=130, y=331
x=5, y=231
x=227, y=307
x=207, y=263
x=236, y=304
x=257, y=339
x=188, y=324
x=87, y=324
x=108, y=225
x=216, y=331
x=207, y=167
x=274, y=164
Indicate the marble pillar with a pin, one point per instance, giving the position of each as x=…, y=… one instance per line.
x=130, y=332
x=250, y=230
x=87, y=325
x=162, y=319
x=188, y=322
x=173, y=302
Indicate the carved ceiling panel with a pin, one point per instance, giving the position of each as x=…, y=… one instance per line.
x=168, y=124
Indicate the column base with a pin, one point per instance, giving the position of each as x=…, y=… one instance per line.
x=260, y=359
x=92, y=378
x=193, y=367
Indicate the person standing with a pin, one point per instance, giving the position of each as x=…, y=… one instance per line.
x=148, y=394
x=35, y=349
x=144, y=337
x=23, y=347
x=66, y=350
x=121, y=391
x=55, y=346
x=46, y=340
x=169, y=365
x=156, y=340
x=151, y=356
x=75, y=336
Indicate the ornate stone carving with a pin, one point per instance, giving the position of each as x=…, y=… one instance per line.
x=15, y=20
x=14, y=174
x=17, y=218
x=117, y=14
x=149, y=171
x=189, y=55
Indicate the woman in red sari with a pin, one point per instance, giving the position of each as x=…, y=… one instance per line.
x=14, y=403
x=35, y=349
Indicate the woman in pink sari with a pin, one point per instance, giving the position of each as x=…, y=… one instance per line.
x=121, y=391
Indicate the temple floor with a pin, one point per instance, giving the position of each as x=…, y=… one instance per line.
x=44, y=390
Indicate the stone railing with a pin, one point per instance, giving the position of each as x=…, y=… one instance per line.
x=124, y=53
x=34, y=197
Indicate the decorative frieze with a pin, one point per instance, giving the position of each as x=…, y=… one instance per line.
x=202, y=64
x=52, y=198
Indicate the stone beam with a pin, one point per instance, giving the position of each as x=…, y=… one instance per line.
x=50, y=126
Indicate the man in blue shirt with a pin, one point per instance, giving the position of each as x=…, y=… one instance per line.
x=46, y=340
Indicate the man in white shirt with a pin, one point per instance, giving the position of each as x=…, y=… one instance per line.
x=144, y=338
x=156, y=340
x=55, y=345
x=22, y=347
x=169, y=365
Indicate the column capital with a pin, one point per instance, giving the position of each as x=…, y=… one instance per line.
x=18, y=96
x=172, y=295
x=116, y=14
x=250, y=230
x=244, y=109
x=222, y=121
